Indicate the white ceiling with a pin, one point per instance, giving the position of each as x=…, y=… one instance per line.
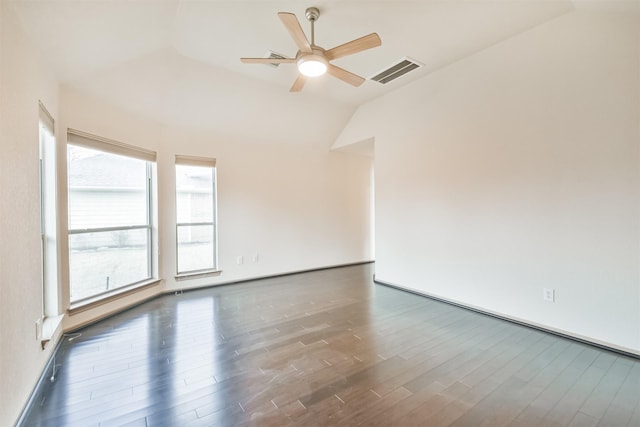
x=173, y=59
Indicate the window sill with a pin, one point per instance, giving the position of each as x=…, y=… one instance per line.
x=197, y=274
x=89, y=303
x=50, y=326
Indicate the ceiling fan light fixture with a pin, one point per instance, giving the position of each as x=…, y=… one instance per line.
x=312, y=65
x=313, y=60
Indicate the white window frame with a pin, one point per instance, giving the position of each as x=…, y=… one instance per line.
x=183, y=160
x=82, y=139
x=48, y=213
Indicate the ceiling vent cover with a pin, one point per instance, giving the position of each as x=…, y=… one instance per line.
x=274, y=55
x=398, y=69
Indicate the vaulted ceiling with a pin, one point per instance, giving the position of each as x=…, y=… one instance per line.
x=178, y=60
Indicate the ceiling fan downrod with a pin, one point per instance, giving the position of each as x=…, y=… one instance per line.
x=312, y=14
x=313, y=60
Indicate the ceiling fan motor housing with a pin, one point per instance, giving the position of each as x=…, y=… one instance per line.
x=312, y=14
x=313, y=60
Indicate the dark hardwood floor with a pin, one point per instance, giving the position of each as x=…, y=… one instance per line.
x=328, y=348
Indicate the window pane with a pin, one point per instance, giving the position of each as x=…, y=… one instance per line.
x=48, y=218
x=195, y=248
x=194, y=193
x=102, y=261
x=105, y=190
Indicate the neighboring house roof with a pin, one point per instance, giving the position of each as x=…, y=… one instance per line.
x=94, y=169
x=100, y=170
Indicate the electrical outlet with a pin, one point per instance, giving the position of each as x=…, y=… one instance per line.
x=240, y=260
x=549, y=294
x=38, y=329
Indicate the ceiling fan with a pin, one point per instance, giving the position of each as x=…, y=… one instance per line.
x=311, y=59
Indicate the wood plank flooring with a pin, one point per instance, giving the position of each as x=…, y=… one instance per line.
x=328, y=348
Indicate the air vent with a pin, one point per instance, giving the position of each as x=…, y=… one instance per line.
x=274, y=55
x=398, y=69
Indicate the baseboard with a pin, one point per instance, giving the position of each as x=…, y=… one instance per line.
x=268, y=276
x=521, y=322
x=75, y=328
x=44, y=376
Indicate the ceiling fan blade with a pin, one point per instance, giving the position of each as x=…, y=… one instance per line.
x=298, y=84
x=345, y=76
x=267, y=60
x=354, y=46
x=293, y=26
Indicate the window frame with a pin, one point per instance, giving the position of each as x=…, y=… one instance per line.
x=210, y=163
x=47, y=170
x=84, y=140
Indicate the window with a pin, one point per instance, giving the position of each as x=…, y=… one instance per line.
x=48, y=232
x=195, y=215
x=110, y=215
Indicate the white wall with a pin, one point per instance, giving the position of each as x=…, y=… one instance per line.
x=24, y=79
x=517, y=169
x=298, y=206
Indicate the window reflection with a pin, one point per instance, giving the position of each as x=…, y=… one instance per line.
x=89, y=376
x=198, y=354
